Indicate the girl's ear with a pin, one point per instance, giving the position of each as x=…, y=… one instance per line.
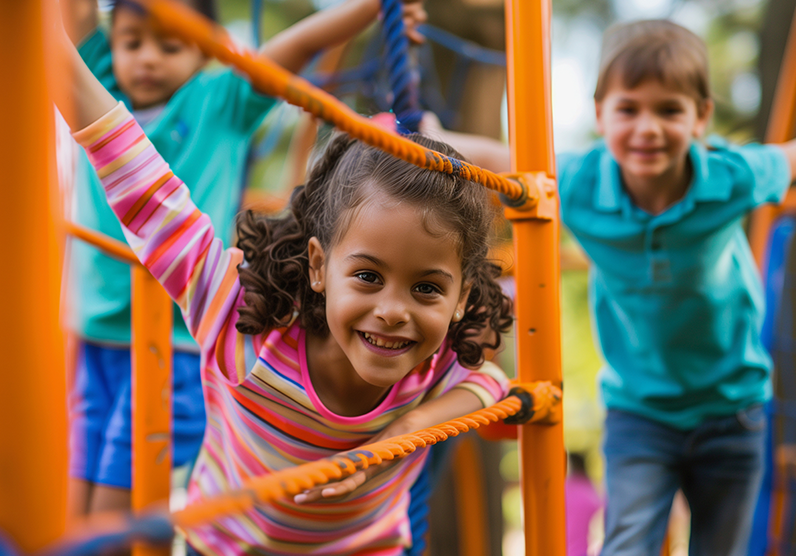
x=461, y=305
x=317, y=262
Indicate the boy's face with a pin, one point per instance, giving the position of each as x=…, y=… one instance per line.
x=649, y=129
x=149, y=67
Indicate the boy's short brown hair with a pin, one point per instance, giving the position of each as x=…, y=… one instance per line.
x=654, y=49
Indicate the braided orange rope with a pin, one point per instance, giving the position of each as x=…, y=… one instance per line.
x=273, y=80
x=289, y=482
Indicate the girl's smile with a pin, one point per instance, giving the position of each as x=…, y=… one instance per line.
x=390, y=298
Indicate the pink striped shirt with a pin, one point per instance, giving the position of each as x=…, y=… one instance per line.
x=263, y=413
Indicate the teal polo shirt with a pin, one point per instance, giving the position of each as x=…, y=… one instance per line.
x=203, y=132
x=675, y=298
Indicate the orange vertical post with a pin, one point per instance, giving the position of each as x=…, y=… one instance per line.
x=33, y=446
x=151, y=362
x=537, y=271
x=781, y=122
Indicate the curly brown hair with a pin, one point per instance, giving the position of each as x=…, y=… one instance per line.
x=275, y=276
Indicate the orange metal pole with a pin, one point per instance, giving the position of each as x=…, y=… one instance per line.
x=151, y=361
x=107, y=245
x=536, y=248
x=781, y=122
x=33, y=447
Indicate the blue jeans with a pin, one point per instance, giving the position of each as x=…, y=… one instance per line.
x=718, y=466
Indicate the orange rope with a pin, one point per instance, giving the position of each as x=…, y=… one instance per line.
x=290, y=482
x=110, y=246
x=271, y=79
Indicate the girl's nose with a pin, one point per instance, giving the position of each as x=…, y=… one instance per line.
x=392, y=310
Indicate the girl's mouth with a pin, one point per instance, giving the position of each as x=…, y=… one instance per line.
x=384, y=347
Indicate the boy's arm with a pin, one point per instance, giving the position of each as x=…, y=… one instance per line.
x=296, y=45
x=789, y=149
x=80, y=18
x=482, y=151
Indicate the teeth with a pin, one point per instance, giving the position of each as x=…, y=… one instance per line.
x=381, y=343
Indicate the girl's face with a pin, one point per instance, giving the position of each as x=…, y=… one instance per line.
x=149, y=67
x=649, y=129
x=392, y=289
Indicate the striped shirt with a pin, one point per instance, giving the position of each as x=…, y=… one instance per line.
x=263, y=412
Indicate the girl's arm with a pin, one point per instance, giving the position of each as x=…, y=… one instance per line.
x=173, y=239
x=83, y=100
x=80, y=17
x=455, y=403
x=296, y=45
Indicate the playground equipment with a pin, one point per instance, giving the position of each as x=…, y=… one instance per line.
x=765, y=222
x=30, y=470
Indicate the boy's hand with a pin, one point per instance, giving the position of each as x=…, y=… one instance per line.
x=414, y=15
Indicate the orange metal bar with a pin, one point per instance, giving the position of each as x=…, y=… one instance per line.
x=108, y=245
x=780, y=128
x=33, y=447
x=471, y=517
x=537, y=274
x=151, y=362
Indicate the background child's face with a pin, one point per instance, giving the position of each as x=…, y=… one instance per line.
x=649, y=128
x=149, y=67
x=391, y=288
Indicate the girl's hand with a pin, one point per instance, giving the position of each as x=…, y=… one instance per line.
x=414, y=15
x=350, y=484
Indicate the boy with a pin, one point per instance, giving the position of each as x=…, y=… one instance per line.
x=675, y=294
x=202, y=122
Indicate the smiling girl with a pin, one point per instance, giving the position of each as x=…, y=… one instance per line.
x=363, y=311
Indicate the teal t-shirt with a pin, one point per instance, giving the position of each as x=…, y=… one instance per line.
x=203, y=132
x=675, y=297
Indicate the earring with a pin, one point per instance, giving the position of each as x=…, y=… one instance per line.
x=457, y=316
x=318, y=283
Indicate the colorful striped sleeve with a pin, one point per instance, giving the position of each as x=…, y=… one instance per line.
x=168, y=234
x=488, y=383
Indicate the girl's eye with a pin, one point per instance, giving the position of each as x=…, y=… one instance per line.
x=427, y=289
x=369, y=277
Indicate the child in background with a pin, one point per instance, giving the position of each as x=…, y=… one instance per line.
x=201, y=122
x=583, y=504
x=363, y=311
x=675, y=295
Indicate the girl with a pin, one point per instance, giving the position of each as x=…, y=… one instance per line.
x=364, y=311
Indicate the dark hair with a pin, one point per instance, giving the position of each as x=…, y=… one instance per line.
x=205, y=7
x=654, y=49
x=275, y=276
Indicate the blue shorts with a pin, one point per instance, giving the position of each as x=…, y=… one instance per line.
x=101, y=422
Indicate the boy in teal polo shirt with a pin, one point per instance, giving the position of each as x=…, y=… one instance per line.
x=201, y=121
x=675, y=294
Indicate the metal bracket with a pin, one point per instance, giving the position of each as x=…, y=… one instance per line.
x=539, y=201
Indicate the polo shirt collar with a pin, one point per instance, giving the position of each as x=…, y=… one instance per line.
x=609, y=193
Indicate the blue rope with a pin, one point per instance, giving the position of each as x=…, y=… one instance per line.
x=257, y=13
x=156, y=530
x=465, y=48
x=403, y=83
